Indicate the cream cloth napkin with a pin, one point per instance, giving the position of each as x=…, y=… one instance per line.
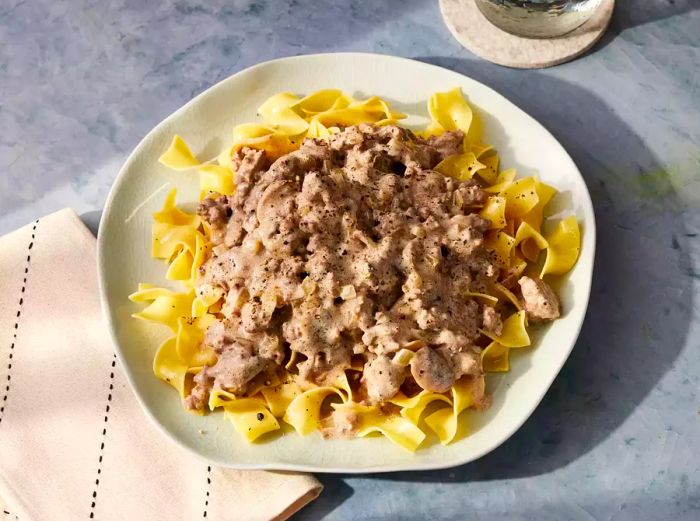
x=74, y=443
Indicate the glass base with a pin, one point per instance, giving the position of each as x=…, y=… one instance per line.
x=537, y=18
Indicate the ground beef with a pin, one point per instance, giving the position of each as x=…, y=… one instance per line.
x=353, y=245
x=382, y=378
x=540, y=302
x=432, y=371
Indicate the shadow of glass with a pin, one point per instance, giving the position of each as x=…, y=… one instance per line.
x=633, y=331
x=633, y=13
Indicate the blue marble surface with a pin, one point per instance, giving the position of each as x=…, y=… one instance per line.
x=617, y=437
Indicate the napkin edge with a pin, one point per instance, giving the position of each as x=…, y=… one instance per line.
x=300, y=503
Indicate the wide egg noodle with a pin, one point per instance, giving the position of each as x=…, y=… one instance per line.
x=342, y=383
x=147, y=292
x=494, y=358
x=500, y=244
x=279, y=397
x=262, y=137
x=250, y=418
x=527, y=232
x=323, y=100
x=288, y=119
x=168, y=367
x=173, y=230
x=304, y=411
x=530, y=241
x=177, y=312
x=166, y=306
x=412, y=408
x=274, y=145
x=450, y=111
x=292, y=360
x=510, y=229
x=433, y=128
x=397, y=429
x=202, y=248
x=403, y=357
x=219, y=397
x=544, y=194
x=508, y=295
x=371, y=110
x=530, y=250
x=376, y=105
x=513, y=274
x=207, y=296
x=168, y=240
x=480, y=149
x=185, y=265
x=178, y=156
x=521, y=197
x=490, y=172
x=495, y=211
x=249, y=131
x=381, y=123
x=445, y=422
x=278, y=111
x=503, y=181
x=461, y=167
x=564, y=246
x=188, y=341
x=305, y=415
x=171, y=214
x=484, y=298
x=179, y=267
x=318, y=130
x=216, y=179
x=514, y=333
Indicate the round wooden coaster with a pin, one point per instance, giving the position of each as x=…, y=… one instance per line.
x=471, y=28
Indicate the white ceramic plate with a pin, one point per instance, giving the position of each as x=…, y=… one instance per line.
x=205, y=123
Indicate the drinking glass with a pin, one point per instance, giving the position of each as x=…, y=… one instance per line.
x=537, y=18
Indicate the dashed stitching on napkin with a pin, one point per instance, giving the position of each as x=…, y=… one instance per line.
x=16, y=327
x=104, y=435
x=9, y=514
x=206, y=501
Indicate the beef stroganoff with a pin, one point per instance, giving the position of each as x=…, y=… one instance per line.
x=344, y=274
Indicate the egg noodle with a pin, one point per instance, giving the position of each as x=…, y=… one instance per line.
x=515, y=208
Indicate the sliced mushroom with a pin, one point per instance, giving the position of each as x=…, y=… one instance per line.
x=432, y=371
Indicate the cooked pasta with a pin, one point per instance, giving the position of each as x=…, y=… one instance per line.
x=513, y=211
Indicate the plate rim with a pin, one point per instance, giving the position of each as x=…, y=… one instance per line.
x=588, y=210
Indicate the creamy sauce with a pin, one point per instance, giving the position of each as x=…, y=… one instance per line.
x=344, y=250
